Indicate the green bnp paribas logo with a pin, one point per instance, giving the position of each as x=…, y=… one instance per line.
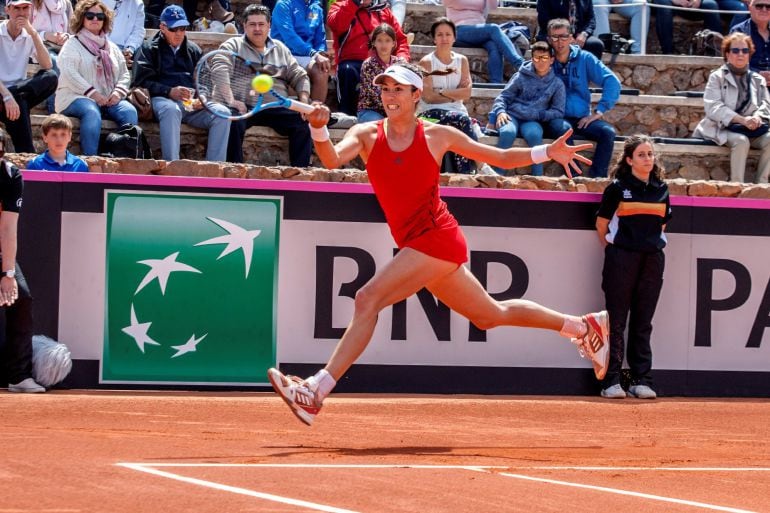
x=191, y=288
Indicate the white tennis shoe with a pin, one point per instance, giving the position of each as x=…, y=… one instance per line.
x=295, y=392
x=595, y=344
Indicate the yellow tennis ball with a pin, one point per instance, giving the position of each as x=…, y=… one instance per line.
x=262, y=83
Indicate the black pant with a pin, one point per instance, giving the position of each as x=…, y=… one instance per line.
x=17, y=320
x=284, y=121
x=348, y=80
x=28, y=93
x=631, y=281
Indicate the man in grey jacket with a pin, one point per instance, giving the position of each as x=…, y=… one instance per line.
x=272, y=58
x=531, y=103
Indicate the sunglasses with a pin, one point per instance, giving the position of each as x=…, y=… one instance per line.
x=737, y=51
x=542, y=58
x=177, y=29
x=95, y=15
x=762, y=7
x=562, y=37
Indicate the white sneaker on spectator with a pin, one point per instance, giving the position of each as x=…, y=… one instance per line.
x=642, y=392
x=614, y=392
x=26, y=386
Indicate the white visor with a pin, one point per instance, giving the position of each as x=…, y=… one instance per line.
x=401, y=75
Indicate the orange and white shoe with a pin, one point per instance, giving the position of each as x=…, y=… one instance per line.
x=595, y=344
x=297, y=394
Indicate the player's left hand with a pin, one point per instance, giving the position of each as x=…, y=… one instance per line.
x=566, y=155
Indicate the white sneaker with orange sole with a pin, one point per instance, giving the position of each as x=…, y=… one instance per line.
x=595, y=344
x=295, y=392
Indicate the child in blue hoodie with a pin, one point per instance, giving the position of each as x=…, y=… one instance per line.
x=531, y=103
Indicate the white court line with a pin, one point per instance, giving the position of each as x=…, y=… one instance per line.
x=318, y=465
x=657, y=469
x=234, y=489
x=622, y=492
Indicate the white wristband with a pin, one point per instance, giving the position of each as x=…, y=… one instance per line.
x=7, y=98
x=539, y=154
x=319, y=134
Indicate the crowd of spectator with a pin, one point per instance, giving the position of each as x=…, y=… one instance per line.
x=90, y=57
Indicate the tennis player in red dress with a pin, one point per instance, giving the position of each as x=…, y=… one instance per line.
x=403, y=155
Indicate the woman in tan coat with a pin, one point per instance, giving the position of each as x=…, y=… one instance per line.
x=737, y=108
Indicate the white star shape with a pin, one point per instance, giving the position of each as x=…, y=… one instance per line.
x=161, y=269
x=138, y=331
x=237, y=238
x=188, y=347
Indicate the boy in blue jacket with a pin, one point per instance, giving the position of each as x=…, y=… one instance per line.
x=57, y=134
x=532, y=101
x=576, y=68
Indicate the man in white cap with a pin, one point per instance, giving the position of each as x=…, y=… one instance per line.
x=165, y=66
x=403, y=155
x=18, y=42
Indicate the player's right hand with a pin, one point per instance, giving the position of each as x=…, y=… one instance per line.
x=320, y=116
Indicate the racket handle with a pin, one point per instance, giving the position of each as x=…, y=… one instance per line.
x=304, y=108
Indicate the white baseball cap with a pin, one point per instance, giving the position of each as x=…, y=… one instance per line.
x=401, y=75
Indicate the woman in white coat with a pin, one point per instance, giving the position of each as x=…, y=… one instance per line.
x=737, y=108
x=94, y=78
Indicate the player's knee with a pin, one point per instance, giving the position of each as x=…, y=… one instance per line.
x=366, y=302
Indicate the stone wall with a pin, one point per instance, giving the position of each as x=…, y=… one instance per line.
x=678, y=186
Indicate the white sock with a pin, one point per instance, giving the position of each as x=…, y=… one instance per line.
x=322, y=383
x=574, y=327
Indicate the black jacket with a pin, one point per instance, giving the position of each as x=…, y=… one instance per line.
x=548, y=10
x=157, y=68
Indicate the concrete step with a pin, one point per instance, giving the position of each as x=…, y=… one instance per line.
x=265, y=147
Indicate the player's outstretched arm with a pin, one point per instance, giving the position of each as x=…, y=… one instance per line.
x=332, y=156
x=558, y=151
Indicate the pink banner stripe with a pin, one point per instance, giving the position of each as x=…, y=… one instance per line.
x=365, y=188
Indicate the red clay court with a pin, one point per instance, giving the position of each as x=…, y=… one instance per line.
x=78, y=451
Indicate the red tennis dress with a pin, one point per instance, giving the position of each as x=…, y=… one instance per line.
x=406, y=185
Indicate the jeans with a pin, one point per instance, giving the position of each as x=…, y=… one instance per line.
x=18, y=333
x=28, y=93
x=664, y=21
x=284, y=121
x=90, y=115
x=634, y=12
x=50, y=102
x=369, y=115
x=734, y=5
x=530, y=131
x=171, y=114
x=348, y=78
x=631, y=281
x=604, y=135
x=490, y=37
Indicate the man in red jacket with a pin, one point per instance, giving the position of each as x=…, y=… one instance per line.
x=351, y=23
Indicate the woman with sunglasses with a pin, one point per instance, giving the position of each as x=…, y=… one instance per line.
x=94, y=78
x=737, y=108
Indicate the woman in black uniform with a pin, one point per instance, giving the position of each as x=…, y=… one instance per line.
x=631, y=218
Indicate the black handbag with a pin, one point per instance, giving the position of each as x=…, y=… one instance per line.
x=740, y=129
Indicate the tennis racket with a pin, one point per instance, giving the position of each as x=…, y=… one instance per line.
x=223, y=78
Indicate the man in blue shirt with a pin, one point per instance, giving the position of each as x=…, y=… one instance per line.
x=57, y=134
x=299, y=24
x=576, y=68
x=758, y=27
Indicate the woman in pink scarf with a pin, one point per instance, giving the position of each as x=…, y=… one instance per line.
x=94, y=78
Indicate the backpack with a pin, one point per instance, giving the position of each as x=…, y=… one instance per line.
x=519, y=34
x=707, y=42
x=128, y=141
